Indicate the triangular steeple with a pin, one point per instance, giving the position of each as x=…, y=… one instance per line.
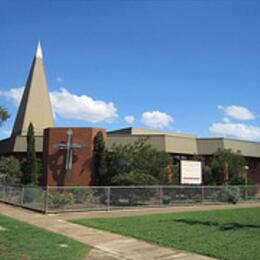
x=35, y=105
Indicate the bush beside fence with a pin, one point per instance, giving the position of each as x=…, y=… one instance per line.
x=79, y=198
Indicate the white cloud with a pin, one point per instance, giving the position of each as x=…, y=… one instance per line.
x=85, y=108
x=226, y=120
x=238, y=112
x=156, y=119
x=129, y=119
x=240, y=131
x=13, y=95
x=71, y=106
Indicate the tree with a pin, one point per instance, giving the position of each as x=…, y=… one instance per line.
x=4, y=115
x=99, y=157
x=136, y=158
x=31, y=167
x=134, y=178
x=226, y=166
x=11, y=167
x=175, y=178
x=208, y=177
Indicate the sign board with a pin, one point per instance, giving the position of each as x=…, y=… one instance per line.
x=191, y=172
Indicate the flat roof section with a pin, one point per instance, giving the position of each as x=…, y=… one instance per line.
x=177, y=143
x=170, y=142
x=145, y=131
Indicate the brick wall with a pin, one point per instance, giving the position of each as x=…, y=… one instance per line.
x=54, y=159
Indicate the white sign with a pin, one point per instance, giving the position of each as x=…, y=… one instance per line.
x=191, y=172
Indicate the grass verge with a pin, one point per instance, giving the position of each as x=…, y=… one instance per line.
x=19, y=240
x=225, y=234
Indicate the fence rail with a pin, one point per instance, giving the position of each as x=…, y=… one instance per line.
x=79, y=198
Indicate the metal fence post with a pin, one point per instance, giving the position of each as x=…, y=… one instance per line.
x=46, y=200
x=22, y=195
x=246, y=192
x=160, y=196
x=202, y=194
x=108, y=198
x=4, y=195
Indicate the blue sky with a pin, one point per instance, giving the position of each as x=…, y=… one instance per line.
x=188, y=66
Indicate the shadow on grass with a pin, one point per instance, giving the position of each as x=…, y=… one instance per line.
x=222, y=227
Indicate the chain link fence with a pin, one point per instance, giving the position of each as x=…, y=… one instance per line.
x=25, y=196
x=79, y=198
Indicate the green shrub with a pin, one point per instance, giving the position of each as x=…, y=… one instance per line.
x=135, y=163
x=60, y=200
x=251, y=191
x=134, y=199
x=82, y=195
x=124, y=197
x=196, y=198
x=132, y=196
x=229, y=194
x=31, y=194
x=166, y=199
x=239, y=180
x=251, y=182
x=134, y=178
x=11, y=166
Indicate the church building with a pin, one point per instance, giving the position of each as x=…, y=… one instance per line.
x=35, y=108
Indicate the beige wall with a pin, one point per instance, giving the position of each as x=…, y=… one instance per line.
x=250, y=149
x=209, y=146
x=181, y=145
x=157, y=142
x=21, y=144
x=165, y=141
x=170, y=144
x=18, y=144
x=35, y=106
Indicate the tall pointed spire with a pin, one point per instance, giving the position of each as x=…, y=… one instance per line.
x=35, y=105
x=38, y=53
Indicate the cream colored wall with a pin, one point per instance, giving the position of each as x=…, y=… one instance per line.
x=209, y=146
x=171, y=144
x=250, y=149
x=247, y=148
x=35, y=106
x=21, y=144
x=157, y=142
x=38, y=109
x=166, y=143
x=181, y=145
x=144, y=131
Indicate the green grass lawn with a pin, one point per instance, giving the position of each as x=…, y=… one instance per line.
x=22, y=241
x=225, y=234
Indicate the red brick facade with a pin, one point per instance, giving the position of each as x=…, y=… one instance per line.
x=54, y=158
x=254, y=169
